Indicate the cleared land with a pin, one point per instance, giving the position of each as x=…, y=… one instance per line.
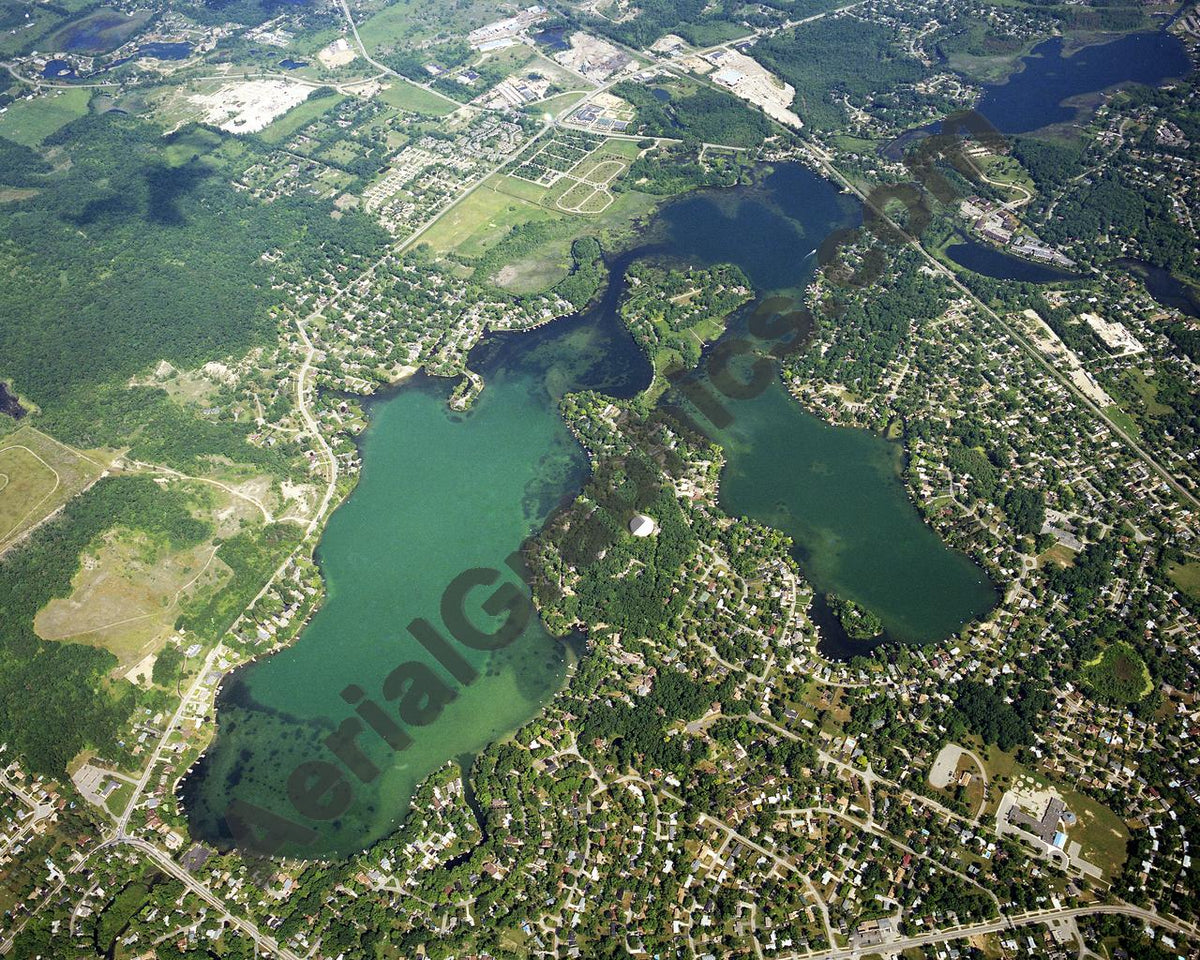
x=410, y=97
x=125, y=597
x=130, y=589
x=283, y=127
x=37, y=476
x=29, y=122
x=482, y=220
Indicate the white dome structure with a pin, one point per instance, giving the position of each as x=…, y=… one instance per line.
x=642, y=525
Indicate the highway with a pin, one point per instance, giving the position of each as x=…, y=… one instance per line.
x=1008, y=922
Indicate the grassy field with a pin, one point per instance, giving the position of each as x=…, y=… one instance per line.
x=280, y=130
x=1123, y=420
x=413, y=20
x=1101, y=834
x=559, y=103
x=130, y=588
x=32, y=121
x=624, y=149
x=1147, y=390
x=856, y=144
x=1186, y=576
x=482, y=220
x=37, y=476
x=410, y=97
x=125, y=597
x=119, y=799
x=1005, y=169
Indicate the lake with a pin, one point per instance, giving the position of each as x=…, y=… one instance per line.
x=990, y=262
x=442, y=493
x=58, y=69
x=838, y=492
x=164, y=50
x=1167, y=289
x=1033, y=97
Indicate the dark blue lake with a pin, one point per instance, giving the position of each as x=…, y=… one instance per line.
x=1166, y=289
x=1033, y=97
x=165, y=51
x=58, y=70
x=990, y=262
x=553, y=38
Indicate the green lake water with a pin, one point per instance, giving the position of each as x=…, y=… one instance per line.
x=442, y=493
x=839, y=494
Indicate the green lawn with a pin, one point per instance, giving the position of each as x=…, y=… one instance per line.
x=32, y=121
x=1100, y=833
x=1123, y=420
x=557, y=104
x=626, y=149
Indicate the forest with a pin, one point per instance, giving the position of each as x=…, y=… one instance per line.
x=983, y=710
x=1092, y=571
x=127, y=260
x=873, y=328
x=673, y=313
x=706, y=115
x=54, y=699
x=832, y=56
x=1114, y=201
x=675, y=168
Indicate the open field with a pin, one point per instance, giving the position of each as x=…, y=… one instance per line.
x=408, y=96
x=282, y=128
x=413, y=20
x=1186, y=576
x=560, y=102
x=131, y=588
x=37, y=476
x=125, y=597
x=482, y=220
x=1117, y=414
x=31, y=121
x=550, y=261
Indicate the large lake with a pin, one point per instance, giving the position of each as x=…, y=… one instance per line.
x=1049, y=88
x=838, y=492
x=1034, y=97
x=442, y=493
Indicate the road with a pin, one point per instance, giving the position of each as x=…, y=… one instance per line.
x=169, y=866
x=826, y=163
x=362, y=49
x=140, y=786
x=1009, y=922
